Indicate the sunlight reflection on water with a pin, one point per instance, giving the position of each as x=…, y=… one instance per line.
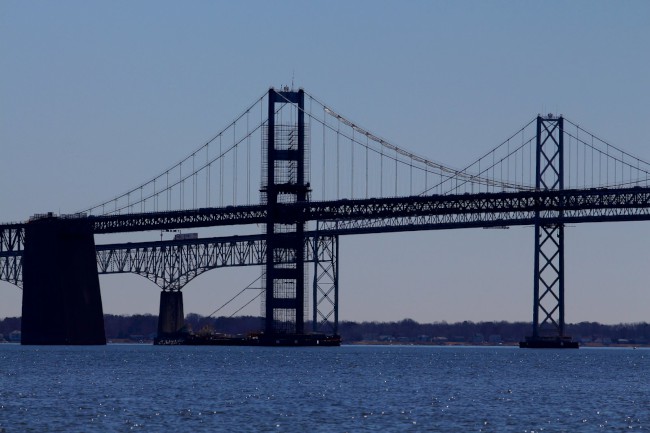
x=351, y=388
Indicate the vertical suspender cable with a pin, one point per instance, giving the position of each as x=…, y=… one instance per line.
x=207, y=176
x=577, y=162
x=262, y=177
x=615, y=171
x=338, y=159
x=508, y=161
x=221, y=163
x=592, y=160
x=600, y=168
x=523, y=152
x=194, y=190
x=323, y=156
x=395, y=173
x=569, y=162
x=607, y=164
x=493, y=164
x=352, y=142
x=426, y=177
x=514, y=159
x=381, y=171
x=500, y=169
x=411, y=176
x=367, y=144
x=248, y=160
x=234, y=165
x=584, y=165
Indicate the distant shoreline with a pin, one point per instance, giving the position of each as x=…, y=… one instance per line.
x=143, y=329
x=508, y=344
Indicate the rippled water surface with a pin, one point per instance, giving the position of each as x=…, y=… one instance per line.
x=378, y=388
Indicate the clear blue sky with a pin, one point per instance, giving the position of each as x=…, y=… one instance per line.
x=95, y=97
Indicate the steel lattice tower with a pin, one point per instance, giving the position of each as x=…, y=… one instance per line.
x=548, y=289
x=285, y=182
x=325, y=313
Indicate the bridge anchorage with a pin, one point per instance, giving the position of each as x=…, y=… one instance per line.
x=554, y=175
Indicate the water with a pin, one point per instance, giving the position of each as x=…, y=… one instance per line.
x=120, y=388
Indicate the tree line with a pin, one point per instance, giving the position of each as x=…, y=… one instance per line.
x=144, y=327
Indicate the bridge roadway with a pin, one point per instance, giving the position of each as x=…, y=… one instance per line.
x=437, y=212
x=344, y=217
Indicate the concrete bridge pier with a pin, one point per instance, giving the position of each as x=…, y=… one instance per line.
x=62, y=302
x=171, y=318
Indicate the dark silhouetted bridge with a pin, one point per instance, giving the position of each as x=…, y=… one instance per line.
x=322, y=176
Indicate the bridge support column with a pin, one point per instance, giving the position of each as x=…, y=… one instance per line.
x=325, y=314
x=61, y=298
x=171, y=318
x=548, y=279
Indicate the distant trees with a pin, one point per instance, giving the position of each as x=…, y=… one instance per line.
x=634, y=332
x=224, y=325
x=468, y=331
x=411, y=330
x=8, y=325
x=124, y=327
x=406, y=330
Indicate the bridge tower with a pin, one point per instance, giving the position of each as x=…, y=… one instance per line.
x=548, y=279
x=285, y=180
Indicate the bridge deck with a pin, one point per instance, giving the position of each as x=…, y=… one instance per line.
x=413, y=213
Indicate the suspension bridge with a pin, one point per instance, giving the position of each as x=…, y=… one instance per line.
x=308, y=175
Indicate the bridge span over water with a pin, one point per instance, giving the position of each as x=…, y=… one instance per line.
x=322, y=177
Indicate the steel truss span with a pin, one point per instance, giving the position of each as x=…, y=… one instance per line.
x=346, y=218
x=173, y=264
x=359, y=217
x=482, y=210
x=414, y=213
x=205, y=217
x=12, y=245
x=11, y=268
